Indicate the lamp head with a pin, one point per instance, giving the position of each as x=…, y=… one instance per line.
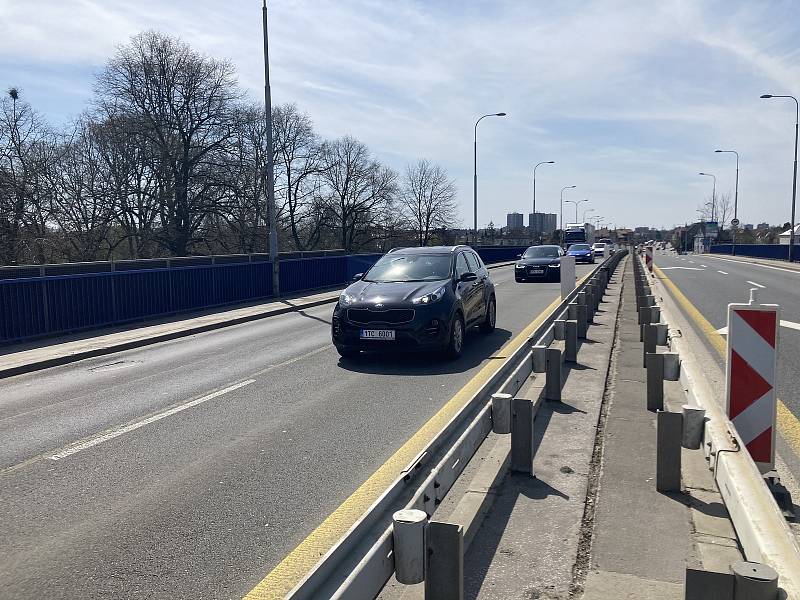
x=766, y=95
x=500, y=114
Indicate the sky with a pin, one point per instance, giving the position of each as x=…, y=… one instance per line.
x=629, y=98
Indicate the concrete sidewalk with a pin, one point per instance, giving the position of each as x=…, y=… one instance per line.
x=643, y=540
x=46, y=353
x=591, y=523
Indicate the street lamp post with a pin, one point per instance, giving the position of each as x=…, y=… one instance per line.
x=713, y=196
x=561, y=208
x=735, y=198
x=271, y=212
x=475, y=172
x=794, y=180
x=576, y=202
x=588, y=210
x=546, y=162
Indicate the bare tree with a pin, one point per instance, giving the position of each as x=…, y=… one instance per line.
x=359, y=190
x=301, y=157
x=428, y=199
x=183, y=102
x=81, y=203
x=717, y=208
x=25, y=151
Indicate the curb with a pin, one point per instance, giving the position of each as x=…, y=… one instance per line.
x=155, y=339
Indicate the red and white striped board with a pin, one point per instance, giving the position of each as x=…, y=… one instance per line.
x=648, y=258
x=750, y=396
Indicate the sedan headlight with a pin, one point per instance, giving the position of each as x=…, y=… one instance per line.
x=556, y=264
x=520, y=266
x=434, y=296
x=346, y=299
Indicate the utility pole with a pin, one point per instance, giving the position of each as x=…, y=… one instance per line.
x=270, y=183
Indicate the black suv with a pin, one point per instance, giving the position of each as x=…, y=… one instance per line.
x=415, y=299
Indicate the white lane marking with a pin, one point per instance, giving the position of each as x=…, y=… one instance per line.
x=790, y=325
x=691, y=261
x=704, y=266
x=787, y=324
x=756, y=284
x=684, y=268
x=723, y=272
x=110, y=435
x=755, y=264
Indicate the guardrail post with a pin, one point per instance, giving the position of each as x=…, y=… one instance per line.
x=649, y=335
x=694, y=421
x=522, y=436
x=662, y=333
x=552, y=387
x=571, y=339
x=539, y=359
x=444, y=571
x=577, y=312
x=501, y=413
x=668, y=451
x=644, y=315
x=408, y=536
x=655, y=381
x=754, y=581
x=672, y=366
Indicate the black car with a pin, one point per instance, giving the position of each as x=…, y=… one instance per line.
x=415, y=299
x=539, y=263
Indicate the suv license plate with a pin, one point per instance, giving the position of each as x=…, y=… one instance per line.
x=377, y=334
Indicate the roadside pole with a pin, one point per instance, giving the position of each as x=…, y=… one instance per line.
x=270, y=183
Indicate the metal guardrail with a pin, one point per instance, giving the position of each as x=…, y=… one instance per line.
x=361, y=563
x=760, y=525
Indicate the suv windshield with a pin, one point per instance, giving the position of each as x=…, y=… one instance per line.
x=541, y=252
x=410, y=267
x=580, y=247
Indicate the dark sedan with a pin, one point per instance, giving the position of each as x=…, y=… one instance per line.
x=582, y=253
x=539, y=263
x=416, y=299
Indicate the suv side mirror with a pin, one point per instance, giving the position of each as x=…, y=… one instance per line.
x=357, y=276
x=468, y=277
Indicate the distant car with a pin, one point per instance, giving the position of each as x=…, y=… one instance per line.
x=581, y=252
x=415, y=299
x=539, y=263
x=599, y=249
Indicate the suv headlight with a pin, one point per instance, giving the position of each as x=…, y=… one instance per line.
x=520, y=266
x=434, y=296
x=346, y=299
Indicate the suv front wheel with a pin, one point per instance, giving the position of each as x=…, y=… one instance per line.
x=456, y=345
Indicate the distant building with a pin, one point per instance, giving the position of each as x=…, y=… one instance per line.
x=763, y=226
x=749, y=227
x=515, y=221
x=785, y=237
x=542, y=222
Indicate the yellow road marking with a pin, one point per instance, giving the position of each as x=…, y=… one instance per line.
x=788, y=424
x=288, y=573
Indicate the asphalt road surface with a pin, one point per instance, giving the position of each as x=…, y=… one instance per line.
x=188, y=469
x=711, y=283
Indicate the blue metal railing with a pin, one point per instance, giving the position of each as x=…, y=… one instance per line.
x=33, y=307
x=774, y=251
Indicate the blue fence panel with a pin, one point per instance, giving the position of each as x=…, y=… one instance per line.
x=302, y=274
x=22, y=309
x=39, y=306
x=79, y=301
x=142, y=294
x=774, y=251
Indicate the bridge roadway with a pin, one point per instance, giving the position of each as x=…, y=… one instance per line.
x=165, y=488
x=710, y=283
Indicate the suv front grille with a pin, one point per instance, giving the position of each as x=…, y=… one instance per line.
x=394, y=316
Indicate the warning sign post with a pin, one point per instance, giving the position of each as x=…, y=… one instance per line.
x=751, y=400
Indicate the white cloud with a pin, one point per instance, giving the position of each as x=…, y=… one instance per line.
x=630, y=98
